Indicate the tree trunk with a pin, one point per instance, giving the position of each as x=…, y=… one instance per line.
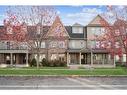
x=120, y=60
x=126, y=59
x=38, y=60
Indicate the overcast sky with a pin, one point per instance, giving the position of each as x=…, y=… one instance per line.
x=70, y=14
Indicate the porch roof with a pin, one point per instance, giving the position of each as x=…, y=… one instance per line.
x=87, y=51
x=14, y=51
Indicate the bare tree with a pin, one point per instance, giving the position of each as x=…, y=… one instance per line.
x=35, y=20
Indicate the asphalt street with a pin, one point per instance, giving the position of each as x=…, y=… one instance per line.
x=54, y=82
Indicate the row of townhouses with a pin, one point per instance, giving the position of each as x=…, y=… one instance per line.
x=73, y=47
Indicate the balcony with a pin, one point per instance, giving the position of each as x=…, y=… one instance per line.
x=19, y=49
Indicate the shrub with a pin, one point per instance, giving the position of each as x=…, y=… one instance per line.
x=63, y=64
x=44, y=62
x=119, y=64
x=56, y=63
x=33, y=62
x=53, y=63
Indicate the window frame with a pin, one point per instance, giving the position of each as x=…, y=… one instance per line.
x=77, y=30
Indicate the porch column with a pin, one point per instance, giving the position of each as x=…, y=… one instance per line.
x=103, y=59
x=67, y=58
x=91, y=58
x=57, y=56
x=11, y=56
x=26, y=59
x=114, y=59
x=80, y=58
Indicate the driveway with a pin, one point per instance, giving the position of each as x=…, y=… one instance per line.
x=45, y=82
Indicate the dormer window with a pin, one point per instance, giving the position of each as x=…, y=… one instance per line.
x=77, y=28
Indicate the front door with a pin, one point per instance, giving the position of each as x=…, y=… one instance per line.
x=84, y=58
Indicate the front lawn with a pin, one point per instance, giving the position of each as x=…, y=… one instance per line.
x=63, y=71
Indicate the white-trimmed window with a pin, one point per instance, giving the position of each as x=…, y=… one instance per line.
x=73, y=44
x=9, y=30
x=62, y=57
x=109, y=45
x=97, y=30
x=53, y=44
x=77, y=29
x=117, y=44
x=38, y=44
x=92, y=44
x=40, y=57
x=61, y=44
x=53, y=56
x=117, y=32
x=97, y=44
x=76, y=44
x=82, y=44
x=42, y=44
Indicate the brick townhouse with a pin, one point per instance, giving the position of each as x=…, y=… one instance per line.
x=73, y=46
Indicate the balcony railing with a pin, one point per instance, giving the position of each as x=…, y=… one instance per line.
x=13, y=48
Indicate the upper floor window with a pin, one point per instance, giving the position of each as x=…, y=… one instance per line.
x=76, y=44
x=9, y=30
x=77, y=29
x=42, y=44
x=8, y=45
x=117, y=32
x=61, y=44
x=24, y=46
x=53, y=44
x=117, y=45
x=24, y=29
x=109, y=45
x=97, y=44
x=97, y=30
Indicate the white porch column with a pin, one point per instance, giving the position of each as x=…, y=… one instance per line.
x=11, y=57
x=80, y=58
x=27, y=59
x=114, y=59
x=57, y=56
x=103, y=59
x=91, y=58
x=67, y=58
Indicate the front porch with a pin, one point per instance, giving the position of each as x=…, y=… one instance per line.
x=17, y=59
x=89, y=59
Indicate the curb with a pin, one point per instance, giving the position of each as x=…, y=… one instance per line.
x=63, y=75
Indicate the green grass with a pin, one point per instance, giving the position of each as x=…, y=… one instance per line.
x=49, y=71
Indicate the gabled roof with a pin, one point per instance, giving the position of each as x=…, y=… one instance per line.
x=97, y=21
x=31, y=30
x=77, y=24
x=57, y=28
x=68, y=29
